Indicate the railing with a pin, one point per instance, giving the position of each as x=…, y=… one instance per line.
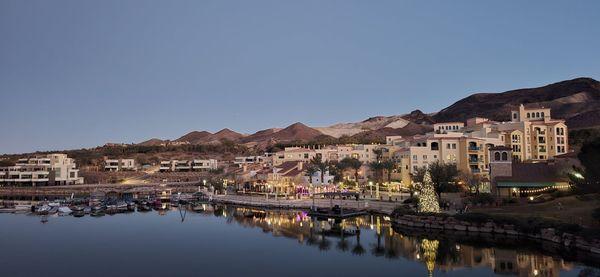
x=474, y=148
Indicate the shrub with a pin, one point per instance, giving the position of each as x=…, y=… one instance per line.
x=509, y=201
x=483, y=198
x=596, y=214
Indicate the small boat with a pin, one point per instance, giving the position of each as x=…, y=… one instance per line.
x=53, y=210
x=78, y=214
x=43, y=210
x=97, y=213
x=131, y=206
x=64, y=210
x=77, y=208
x=144, y=207
x=122, y=206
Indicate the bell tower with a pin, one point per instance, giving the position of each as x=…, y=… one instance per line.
x=500, y=164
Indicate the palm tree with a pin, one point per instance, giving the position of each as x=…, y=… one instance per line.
x=322, y=166
x=378, y=249
x=389, y=166
x=324, y=244
x=377, y=168
x=342, y=244
x=358, y=249
x=310, y=171
x=352, y=163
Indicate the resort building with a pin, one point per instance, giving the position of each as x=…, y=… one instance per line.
x=185, y=165
x=363, y=152
x=49, y=170
x=119, y=165
x=266, y=159
x=512, y=178
x=447, y=127
x=532, y=135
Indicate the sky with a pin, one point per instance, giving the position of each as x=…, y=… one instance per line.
x=79, y=73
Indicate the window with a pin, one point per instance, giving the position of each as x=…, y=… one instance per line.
x=514, y=115
x=528, y=115
x=497, y=156
x=424, y=157
x=435, y=146
x=448, y=146
x=504, y=156
x=414, y=157
x=542, y=114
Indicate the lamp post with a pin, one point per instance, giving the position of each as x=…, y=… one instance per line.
x=377, y=190
x=371, y=188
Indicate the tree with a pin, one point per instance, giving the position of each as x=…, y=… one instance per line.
x=428, y=202
x=443, y=176
x=310, y=171
x=473, y=181
x=352, y=163
x=377, y=168
x=587, y=180
x=389, y=166
x=322, y=166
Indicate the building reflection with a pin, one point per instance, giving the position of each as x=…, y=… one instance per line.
x=374, y=235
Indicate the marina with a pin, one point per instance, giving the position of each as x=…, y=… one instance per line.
x=192, y=234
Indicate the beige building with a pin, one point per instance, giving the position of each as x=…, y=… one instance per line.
x=188, y=165
x=532, y=135
x=363, y=152
x=52, y=169
x=119, y=165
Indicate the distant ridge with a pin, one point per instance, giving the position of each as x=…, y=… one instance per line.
x=577, y=101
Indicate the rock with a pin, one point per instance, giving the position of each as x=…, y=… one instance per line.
x=459, y=227
x=472, y=228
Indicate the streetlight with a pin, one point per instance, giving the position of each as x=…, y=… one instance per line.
x=371, y=188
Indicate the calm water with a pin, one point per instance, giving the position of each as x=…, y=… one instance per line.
x=227, y=241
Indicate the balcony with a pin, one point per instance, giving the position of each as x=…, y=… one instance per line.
x=475, y=170
x=474, y=160
x=474, y=148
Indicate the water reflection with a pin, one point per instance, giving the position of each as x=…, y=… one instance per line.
x=436, y=254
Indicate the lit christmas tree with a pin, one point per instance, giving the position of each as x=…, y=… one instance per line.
x=428, y=202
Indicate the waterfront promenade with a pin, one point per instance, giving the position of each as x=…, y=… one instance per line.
x=371, y=205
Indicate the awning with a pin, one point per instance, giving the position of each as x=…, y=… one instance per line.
x=525, y=184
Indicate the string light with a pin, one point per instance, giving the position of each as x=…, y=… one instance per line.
x=545, y=189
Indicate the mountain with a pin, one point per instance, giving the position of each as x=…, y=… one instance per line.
x=296, y=131
x=576, y=101
x=194, y=137
x=373, y=123
x=263, y=135
x=418, y=117
x=379, y=135
x=153, y=142
x=226, y=134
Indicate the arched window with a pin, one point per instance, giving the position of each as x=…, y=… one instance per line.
x=435, y=146
x=504, y=156
x=542, y=114
x=537, y=115
x=528, y=115
x=497, y=156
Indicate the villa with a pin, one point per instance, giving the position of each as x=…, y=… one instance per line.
x=191, y=165
x=49, y=170
x=119, y=165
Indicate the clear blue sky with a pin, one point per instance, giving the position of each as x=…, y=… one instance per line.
x=81, y=73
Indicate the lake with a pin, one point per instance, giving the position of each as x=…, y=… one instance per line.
x=230, y=241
